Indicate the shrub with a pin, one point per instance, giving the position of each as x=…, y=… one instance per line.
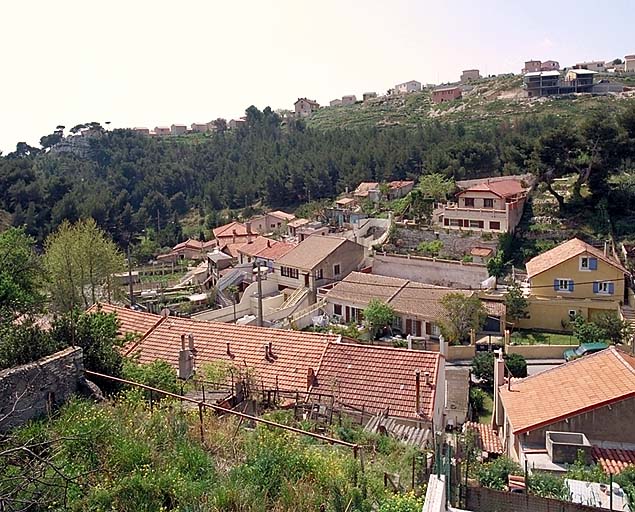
x=483, y=367
x=407, y=502
x=477, y=400
x=495, y=474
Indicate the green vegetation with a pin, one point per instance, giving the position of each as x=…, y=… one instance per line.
x=377, y=316
x=606, y=326
x=463, y=314
x=120, y=456
x=516, y=303
x=431, y=248
x=483, y=367
x=531, y=337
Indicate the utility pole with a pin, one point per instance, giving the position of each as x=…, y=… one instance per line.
x=259, y=279
x=130, y=287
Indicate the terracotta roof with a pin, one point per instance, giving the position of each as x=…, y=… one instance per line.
x=566, y=251
x=363, y=188
x=494, y=308
x=276, y=251
x=228, y=230
x=360, y=288
x=487, y=439
x=294, y=351
x=502, y=188
x=482, y=252
x=255, y=246
x=312, y=251
x=346, y=200
x=406, y=297
x=581, y=385
x=298, y=222
x=393, y=185
x=190, y=243
x=232, y=249
x=312, y=102
x=613, y=460
x=279, y=214
x=131, y=321
x=377, y=378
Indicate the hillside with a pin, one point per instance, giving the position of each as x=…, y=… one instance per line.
x=491, y=99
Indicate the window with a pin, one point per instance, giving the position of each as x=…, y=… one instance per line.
x=293, y=273
x=588, y=263
x=572, y=314
x=477, y=224
x=604, y=287
x=563, y=285
x=319, y=274
x=337, y=270
x=436, y=330
x=495, y=225
x=337, y=309
x=488, y=203
x=469, y=202
x=456, y=222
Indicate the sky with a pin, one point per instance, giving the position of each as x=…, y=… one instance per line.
x=154, y=62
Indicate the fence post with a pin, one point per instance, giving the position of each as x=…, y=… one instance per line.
x=200, y=419
x=414, y=458
x=151, y=402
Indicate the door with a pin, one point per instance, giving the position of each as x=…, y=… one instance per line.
x=306, y=280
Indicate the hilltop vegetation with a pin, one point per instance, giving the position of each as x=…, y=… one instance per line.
x=141, y=189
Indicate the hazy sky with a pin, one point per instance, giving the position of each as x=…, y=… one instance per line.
x=148, y=63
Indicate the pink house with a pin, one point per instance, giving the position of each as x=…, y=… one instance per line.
x=443, y=94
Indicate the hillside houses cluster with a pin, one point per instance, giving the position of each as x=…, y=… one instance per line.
x=182, y=129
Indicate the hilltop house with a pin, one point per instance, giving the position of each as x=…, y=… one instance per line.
x=596, y=65
x=372, y=190
x=316, y=261
x=369, y=96
x=489, y=206
x=305, y=107
x=271, y=221
x=349, y=99
x=469, y=75
x=629, y=64
x=189, y=250
x=142, y=130
x=443, y=94
x=234, y=124
x=162, y=130
x=571, y=279
x=408, y=87
x=586, y=406
x=417, y=306
x=178, y=129
x=534, y=66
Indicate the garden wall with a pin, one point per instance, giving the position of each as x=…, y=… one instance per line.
x=32, y=390
x=538, y=351
x=482, y=499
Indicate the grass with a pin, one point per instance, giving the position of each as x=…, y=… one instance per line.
x=530, y=337
x=488, y=409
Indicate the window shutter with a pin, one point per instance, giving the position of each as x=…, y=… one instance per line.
x=611, y=288
x=570, y=285
x=593, y=263
x=555, y=285
x=596, y=287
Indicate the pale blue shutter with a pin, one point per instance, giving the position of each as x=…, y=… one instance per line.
x=611, y=288
x=555, y=285
x=593, y=263
x=596, y=287
x=570, y=285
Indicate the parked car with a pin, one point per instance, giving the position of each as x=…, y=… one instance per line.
x=583, y=350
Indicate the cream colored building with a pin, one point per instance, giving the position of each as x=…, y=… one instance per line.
x=305, y=107
x=470, y=74
x=629, y=64
x=491, y=206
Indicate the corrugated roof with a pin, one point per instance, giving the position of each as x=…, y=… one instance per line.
x=568, y=390
x=377, y=378
x=566, y=251
x=312, y=251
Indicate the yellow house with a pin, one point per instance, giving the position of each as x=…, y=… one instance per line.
x=572, y=279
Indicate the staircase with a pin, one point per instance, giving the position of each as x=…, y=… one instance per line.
x=295, y=298
x=408, y=434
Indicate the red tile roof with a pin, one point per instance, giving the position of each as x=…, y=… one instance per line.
x=377, y=378
x=256, y=245
x=228, y=230
x=502, y=188
x=570, y=389
x=487, y=438
x=131, y=322
x=312, y=251
x=565, y=251
x=613, y=460
x=294, y=351
x=395, y=185
x=276, y=251
x=279, y=214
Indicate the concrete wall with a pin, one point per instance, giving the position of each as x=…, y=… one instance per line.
x=461, y=352
x=611, y=424
x=538, y=351
x=482, y=499
x=552, y=313
x=454, y=274
x=455, y=244
x=31, y=390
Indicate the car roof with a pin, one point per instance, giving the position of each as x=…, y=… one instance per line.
x=592, y=346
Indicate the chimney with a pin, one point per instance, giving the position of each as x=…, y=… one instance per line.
x=271, y=351
x=190, y=341
x=606, y=248
x=186, y=358
x=409, y=340
x=267, y=354
x=229, y=351
x=233, y=236
x=426, y=376
x=443, y=348
x=417, y=391
x=499, y=380
x=248, y=226
x=268, y=243
x=311, y=380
